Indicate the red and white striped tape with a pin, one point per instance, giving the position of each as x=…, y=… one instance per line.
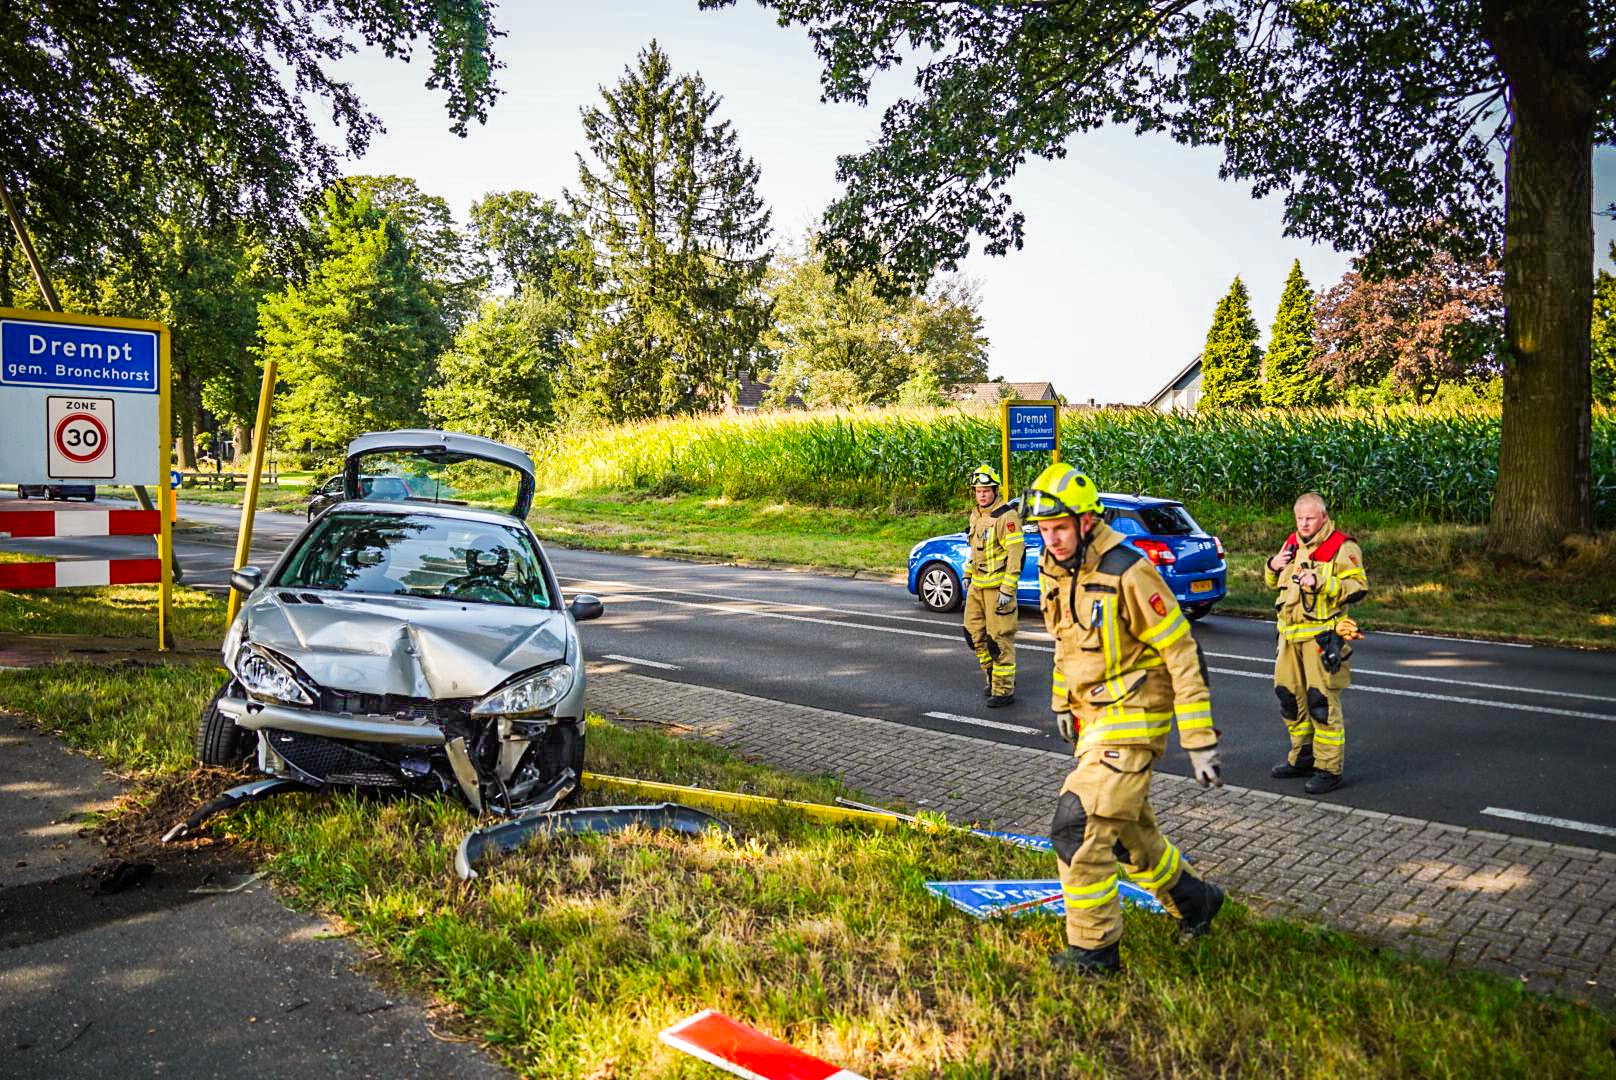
x=746, y=1051
x=79, y=572
x=30, y=524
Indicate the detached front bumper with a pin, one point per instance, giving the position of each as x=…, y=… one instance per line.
x=255, y=716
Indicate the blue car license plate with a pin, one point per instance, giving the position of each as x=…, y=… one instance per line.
x=1201, y=586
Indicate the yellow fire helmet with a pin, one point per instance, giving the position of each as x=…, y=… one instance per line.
x=984, y=476
x=1059, y=490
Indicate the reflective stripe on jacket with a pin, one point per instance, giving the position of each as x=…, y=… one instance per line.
x=1126, y=664
x=1304, y=613
x=997, y=548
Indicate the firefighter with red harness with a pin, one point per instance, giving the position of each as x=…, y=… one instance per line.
x=1318, y=574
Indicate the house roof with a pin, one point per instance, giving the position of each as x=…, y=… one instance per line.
x=749, y=395
x=1186, y=375
x=987, y=393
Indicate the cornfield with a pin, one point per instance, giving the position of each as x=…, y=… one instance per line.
x=1438, y=464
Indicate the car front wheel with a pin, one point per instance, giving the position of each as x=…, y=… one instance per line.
x=939, y=587
x=218, y=740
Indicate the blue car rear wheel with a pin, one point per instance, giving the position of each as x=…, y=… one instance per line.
x=938, y=587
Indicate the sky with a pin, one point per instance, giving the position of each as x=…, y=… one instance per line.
x=1131, y=241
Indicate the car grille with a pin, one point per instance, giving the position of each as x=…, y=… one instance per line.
x=393, y=705
x=333, y=762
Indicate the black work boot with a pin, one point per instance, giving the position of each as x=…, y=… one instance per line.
x=1322, y=782
x=1286, y=771
x=999, y=701
x=1197, y=901
x=1106, y=960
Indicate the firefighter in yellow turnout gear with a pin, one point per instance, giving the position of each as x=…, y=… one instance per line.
x=1126, y=668
x=991, y=574
x=1318, y=573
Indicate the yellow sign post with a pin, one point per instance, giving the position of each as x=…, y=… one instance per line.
x=249, y=498
x=1027, y=425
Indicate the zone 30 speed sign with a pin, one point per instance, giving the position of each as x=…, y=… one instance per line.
x=79, y=432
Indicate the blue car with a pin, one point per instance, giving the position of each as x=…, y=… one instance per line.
x=1188, y=558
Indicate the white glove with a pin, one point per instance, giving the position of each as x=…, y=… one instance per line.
x=1207, y=766
x=1063, y=724
x=1007, y=604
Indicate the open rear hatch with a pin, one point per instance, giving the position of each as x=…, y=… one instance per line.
x=418, y=465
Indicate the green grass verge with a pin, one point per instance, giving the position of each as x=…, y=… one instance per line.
x=115, y=611
x=750, y=531
x=1427, y=577
x=570, y=956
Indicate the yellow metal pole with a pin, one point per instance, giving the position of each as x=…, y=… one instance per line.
x=1054, y=457
x=1004, y=448
x=249, y=499
x=165, y=525
x=729, y=800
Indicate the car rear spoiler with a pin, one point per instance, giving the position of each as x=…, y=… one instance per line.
x=440, y=448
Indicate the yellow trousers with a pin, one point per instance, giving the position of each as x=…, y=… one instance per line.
x=984, y=626
x=1310, y=705
x=1104, y=825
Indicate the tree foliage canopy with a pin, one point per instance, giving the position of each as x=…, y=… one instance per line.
x=498, y=379
x=453, y=264
x=355, y=343
x=103, y=101
x=524, y=237
x=1443, y=324
x=1374, y=120
x=1604, y=335
x=1231, y=362
x=667, y=281
x=838, y=345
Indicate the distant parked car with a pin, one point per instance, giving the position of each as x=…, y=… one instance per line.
x=378, y=488
x=56, y=491
x=1188, y=558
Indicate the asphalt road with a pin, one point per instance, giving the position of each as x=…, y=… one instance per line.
x=1515, y=739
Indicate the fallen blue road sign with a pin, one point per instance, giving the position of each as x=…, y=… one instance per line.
x=985, y=899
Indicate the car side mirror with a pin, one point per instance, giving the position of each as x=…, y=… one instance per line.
x=246, y=580
x=585, y=607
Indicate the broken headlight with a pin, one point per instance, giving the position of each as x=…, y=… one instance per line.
x=534, y=694
x=267, y=676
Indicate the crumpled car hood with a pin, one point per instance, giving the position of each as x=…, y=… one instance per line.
x=405, y=645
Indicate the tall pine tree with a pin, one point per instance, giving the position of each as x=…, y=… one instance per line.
x=1289, y=380
x=667, y=274
x=1231, y=363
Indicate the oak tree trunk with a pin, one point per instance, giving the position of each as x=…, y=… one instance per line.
x=1543, y=492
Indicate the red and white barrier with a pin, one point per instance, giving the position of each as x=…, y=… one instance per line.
x=37, y=524
x=34, y=524
x=745, y=1051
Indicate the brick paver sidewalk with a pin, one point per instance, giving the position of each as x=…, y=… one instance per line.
x=1545, y=913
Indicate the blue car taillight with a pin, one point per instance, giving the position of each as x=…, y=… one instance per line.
x=1159, y=552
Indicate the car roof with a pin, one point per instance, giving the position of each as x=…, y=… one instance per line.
x=1133, y=501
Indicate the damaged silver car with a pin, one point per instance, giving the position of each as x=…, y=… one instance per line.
x=413, y=643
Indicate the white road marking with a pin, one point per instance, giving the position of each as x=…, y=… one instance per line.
x=637, y=660
x=1466, y=640
x=600, y=582
x=1358, y=687
x=1432, y=679
x=1609, y=718
x=1557, y=822
x=995, y=724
